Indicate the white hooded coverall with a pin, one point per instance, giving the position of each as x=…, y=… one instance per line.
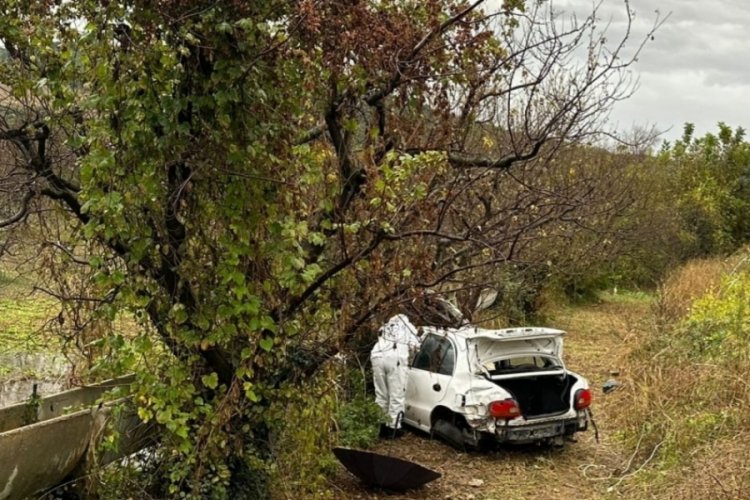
x=390, y=357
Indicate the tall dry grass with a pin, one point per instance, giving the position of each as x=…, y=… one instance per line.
x=688, y=409
x=689, y=282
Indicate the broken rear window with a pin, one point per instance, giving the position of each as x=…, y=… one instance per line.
x=521, y=364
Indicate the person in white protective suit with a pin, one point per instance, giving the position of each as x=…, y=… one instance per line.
x=390, y=356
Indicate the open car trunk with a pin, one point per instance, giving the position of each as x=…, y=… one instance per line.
x=527, y=363
x=541, y=394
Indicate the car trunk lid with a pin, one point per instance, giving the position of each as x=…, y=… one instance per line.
x=486, y=345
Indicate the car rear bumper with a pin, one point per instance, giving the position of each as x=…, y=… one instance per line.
x=530, y=433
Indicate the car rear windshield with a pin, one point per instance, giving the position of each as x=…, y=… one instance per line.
x=521, y=364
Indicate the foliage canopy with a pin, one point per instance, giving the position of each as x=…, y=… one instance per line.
x=256, y=182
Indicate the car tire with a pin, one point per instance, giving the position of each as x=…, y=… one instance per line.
x=449, y=432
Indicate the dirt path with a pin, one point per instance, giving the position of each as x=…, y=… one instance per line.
x=599, y=337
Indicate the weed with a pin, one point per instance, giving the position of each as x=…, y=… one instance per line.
x=31, y=408
x=357, y=416
x=691, y=391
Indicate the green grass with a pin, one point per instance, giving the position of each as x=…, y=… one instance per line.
x=21, y=322
x=626, y=296
x=23, y=316
x=21, y=332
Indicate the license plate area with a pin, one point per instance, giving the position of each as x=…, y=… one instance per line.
x=536, y=432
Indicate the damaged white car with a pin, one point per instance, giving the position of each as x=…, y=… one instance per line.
x=471, y=386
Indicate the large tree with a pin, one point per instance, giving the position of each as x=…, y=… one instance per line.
x=711, y=188
x=257, y=182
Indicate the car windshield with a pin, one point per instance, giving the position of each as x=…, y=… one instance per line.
x=521, y=364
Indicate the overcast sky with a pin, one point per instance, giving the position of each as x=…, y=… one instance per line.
x=697, y=68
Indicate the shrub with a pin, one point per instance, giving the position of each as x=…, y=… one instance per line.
x=303, y=437
x=358, y=418
x=684, y=285
x=689, y=379
x=719, y=322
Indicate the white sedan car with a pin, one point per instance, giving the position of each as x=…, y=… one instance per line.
x=471, y=385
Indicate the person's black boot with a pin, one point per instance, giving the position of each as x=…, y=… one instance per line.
x=386, y=432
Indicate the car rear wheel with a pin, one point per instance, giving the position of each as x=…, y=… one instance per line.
x=449, y=432
x=453, y=429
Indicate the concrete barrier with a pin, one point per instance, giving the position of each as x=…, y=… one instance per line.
x=56, y=405
x=40, y=455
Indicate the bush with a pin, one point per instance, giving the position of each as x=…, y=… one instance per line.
x=358, y=418
x=686, y=284
x=303, y=437
x=689, y=380
x=719, y=322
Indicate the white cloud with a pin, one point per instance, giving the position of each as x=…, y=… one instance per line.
x=695, y=69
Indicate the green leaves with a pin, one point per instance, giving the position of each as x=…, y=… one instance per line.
x=266, y=343
x=211, y=380
x=243, y=257
x=719, y=323
x=712, y=196
x=179, y=313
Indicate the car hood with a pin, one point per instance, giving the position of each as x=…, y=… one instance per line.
x=485, y=345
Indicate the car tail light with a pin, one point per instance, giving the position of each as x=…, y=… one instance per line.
x=582, y=399
x=507, y=409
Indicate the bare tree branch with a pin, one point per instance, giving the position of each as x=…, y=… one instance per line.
x=376, y=95
x=22, y=211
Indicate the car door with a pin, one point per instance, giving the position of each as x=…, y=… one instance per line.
x=429, y=378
